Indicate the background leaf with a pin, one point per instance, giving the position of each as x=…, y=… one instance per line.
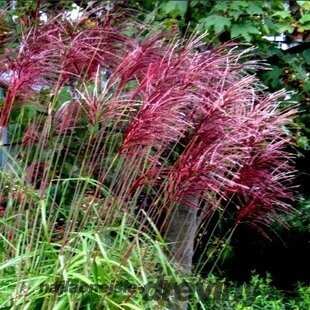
x=244, y=30
x=216, y=22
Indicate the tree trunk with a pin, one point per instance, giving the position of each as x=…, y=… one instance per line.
x=3, y=141
x=181, y=235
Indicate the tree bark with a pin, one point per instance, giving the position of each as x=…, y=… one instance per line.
x=180, y=234
x=3, y=141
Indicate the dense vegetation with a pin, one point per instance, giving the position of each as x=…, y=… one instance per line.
x=119, y=134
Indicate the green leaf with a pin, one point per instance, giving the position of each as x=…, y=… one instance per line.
x=238, y=5
x=193, y=3
x=301, y=72
x=303, y=142
x=79, y=276
x=15, y=261
x=255, y=8
x=282, y=14
x=272, y=26
x=216, y=22
x=304, y=4
x=305, y=19
x=305, y=27
x=174, y=8
x=306, y=86
x=235, y=14
x=273, y=77
x=131, y=306
x=220, y=7
x=63, y=96
x=244, y=30
x=285, y=27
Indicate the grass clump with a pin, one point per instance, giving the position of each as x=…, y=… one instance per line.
x=108, y=129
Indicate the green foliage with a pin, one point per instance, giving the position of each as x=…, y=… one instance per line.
x=244, y=30
x=300, y=222
x=174, y=8
x=259, y=293
x=217, y=22
x=108, y=268
x=119, y=267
